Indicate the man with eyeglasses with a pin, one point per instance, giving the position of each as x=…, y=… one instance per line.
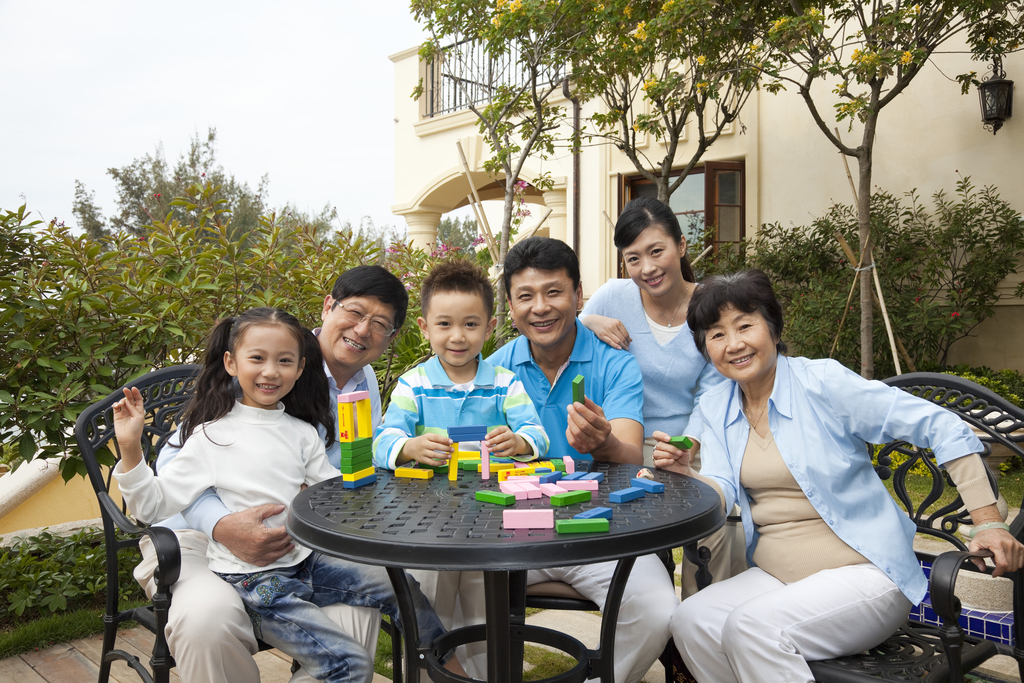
x=208, y=631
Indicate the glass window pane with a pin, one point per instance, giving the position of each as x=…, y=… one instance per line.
x=728, y=223
x=692, y=225
x=689, y=196
x=728, y=187
x=645, y=190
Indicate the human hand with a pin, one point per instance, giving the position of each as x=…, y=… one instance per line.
x=129, y=421
x=248, y=539
x=587, y=429
x=429, y=449
x=668, y=457
x=608, y=330
x=1007, y=552
x=504, y=443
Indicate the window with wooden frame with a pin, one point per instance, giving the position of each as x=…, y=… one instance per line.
x=712, y=194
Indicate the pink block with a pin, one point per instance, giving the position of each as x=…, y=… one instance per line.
x=578, y=485
x=524, y=479
x=528, y=519
x=485, y=462
x=551, y=489
x=532, y=491
x=570, y=464
x=353, y=396
x=508, y=487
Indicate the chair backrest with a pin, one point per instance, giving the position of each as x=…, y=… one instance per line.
x=165, y=393
x=995, y=421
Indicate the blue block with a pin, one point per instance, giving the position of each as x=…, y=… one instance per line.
x=469, y=433
x=494, y=459
x=648, y=485
x=550, y=478
x=574, y=476
x=360, y=482
x=543, y=470
x=606, y=513
x=595, y=476
x=626, y=495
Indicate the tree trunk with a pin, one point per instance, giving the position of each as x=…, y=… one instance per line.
x=864, y=160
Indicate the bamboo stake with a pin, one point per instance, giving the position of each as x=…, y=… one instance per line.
x=702, y=255
x=482, y=216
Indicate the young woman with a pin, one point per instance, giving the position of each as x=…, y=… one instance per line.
x=257, y=449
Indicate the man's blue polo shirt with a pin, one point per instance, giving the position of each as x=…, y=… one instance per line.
x=612, y=381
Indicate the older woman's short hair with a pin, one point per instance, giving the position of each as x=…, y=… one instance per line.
x=749, y=291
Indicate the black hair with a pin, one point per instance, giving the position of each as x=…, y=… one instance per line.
x=749, y=291
x=642, y=213
x=214, y=396
x=375, y=281
x=458, y=275
x=542, y=253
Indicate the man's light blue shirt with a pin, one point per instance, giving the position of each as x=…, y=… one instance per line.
x=612, y=380
x=822, y=416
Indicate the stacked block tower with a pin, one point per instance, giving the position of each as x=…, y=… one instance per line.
x=355, y=432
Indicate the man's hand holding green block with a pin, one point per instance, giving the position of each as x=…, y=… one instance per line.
x=681, y=442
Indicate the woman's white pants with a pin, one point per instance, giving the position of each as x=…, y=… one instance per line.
x=754, y=627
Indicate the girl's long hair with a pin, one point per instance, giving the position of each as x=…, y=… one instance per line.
x=215, y=389
x=640, y=214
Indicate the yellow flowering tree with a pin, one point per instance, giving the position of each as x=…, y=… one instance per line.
x=658, y=65
x=870, y=52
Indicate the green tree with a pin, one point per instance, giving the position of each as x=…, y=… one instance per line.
x=658, y=65
x=869, y=53
x=87, y=213
x=457, y=233
x=507, y=59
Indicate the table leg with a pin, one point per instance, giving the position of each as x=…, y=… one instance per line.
x=700, y=557
x=414, y=654
x=517, y=604
x=602, y=660
x=499, y=628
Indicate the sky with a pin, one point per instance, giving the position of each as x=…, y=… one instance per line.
x=302, y=91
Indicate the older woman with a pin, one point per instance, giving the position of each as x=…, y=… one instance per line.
x=785, y=438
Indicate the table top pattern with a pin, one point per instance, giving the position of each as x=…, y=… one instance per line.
x=438, y=524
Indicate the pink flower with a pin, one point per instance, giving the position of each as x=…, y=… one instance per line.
x=954, y=314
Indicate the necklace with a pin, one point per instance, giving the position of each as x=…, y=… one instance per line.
x=676, y=312
x=753, y=423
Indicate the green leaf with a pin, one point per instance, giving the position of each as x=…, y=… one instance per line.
x=27, y=446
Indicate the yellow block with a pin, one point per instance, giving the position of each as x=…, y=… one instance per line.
x=413, y=473
x=364, y=417
x=505, y=474
x=346, y=422
x=355, y=476
x=496, y=466
x=453, y=464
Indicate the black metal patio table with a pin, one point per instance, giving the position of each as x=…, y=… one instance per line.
x=438, y=524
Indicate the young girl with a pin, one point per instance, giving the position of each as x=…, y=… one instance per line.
x=256, y=449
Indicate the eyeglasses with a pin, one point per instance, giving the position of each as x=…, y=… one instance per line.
x=356, y=315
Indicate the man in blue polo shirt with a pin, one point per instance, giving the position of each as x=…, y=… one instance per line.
x=542, y=282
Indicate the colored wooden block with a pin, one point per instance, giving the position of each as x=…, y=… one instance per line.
x=596, y=476
x=522, y=478
x=681, y=442
x=513, y=489
x=495, y=497
x=515, y=473
x=593, y=513
x=574, y=476
x=532, y=491
x=356, y=444
x=570, y=464
x=355, y=465
x=648, y=485
x=522, y=465
x=364, y=418
x=550, y=478
x=542, y=470
x=361, y=474
x=578, y=485
x=528, y=519
x=469, y=464
x=359, y=482
x=551, y=489
x=496, y=466
x=453, y=464
x=570, y=498
x=581, y=526
x=625, y=495
x=353, y=396
x=578, y=393
x=346, y=422
x=485, y=462
x=356, y=457
x=413, y=473
x=498, y=458
x=557, y=464
x=469, y=433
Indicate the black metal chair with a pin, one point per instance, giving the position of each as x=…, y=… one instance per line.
x=920, y=651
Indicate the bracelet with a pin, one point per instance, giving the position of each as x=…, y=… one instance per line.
x=989, y=525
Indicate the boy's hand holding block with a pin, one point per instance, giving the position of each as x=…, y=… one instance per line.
x=681, y=442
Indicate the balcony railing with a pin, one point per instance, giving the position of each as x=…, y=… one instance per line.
x=464, y=75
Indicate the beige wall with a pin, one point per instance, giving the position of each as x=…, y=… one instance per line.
x=56, y=503
x=927, y=138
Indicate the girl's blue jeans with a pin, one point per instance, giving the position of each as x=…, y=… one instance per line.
x=284, y=605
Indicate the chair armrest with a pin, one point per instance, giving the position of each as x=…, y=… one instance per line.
x=943, y=581
x=165, y=543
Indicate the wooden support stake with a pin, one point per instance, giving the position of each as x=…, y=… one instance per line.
x=702, y=255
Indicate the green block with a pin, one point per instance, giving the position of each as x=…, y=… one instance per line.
x=578, y=394
x=347, y=448
x=581, y=526
x=468, y=465
x=556, y=465
x=497, y=497
x=681, y=442
x=570, y=498
x=355, y=464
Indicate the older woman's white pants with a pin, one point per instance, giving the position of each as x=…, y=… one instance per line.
x=754, y=627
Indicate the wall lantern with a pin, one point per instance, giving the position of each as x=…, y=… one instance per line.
x=996, y=95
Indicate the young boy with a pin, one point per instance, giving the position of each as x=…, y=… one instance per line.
x=457, y=387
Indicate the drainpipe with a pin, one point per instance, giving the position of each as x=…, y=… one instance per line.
x=575, y=168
